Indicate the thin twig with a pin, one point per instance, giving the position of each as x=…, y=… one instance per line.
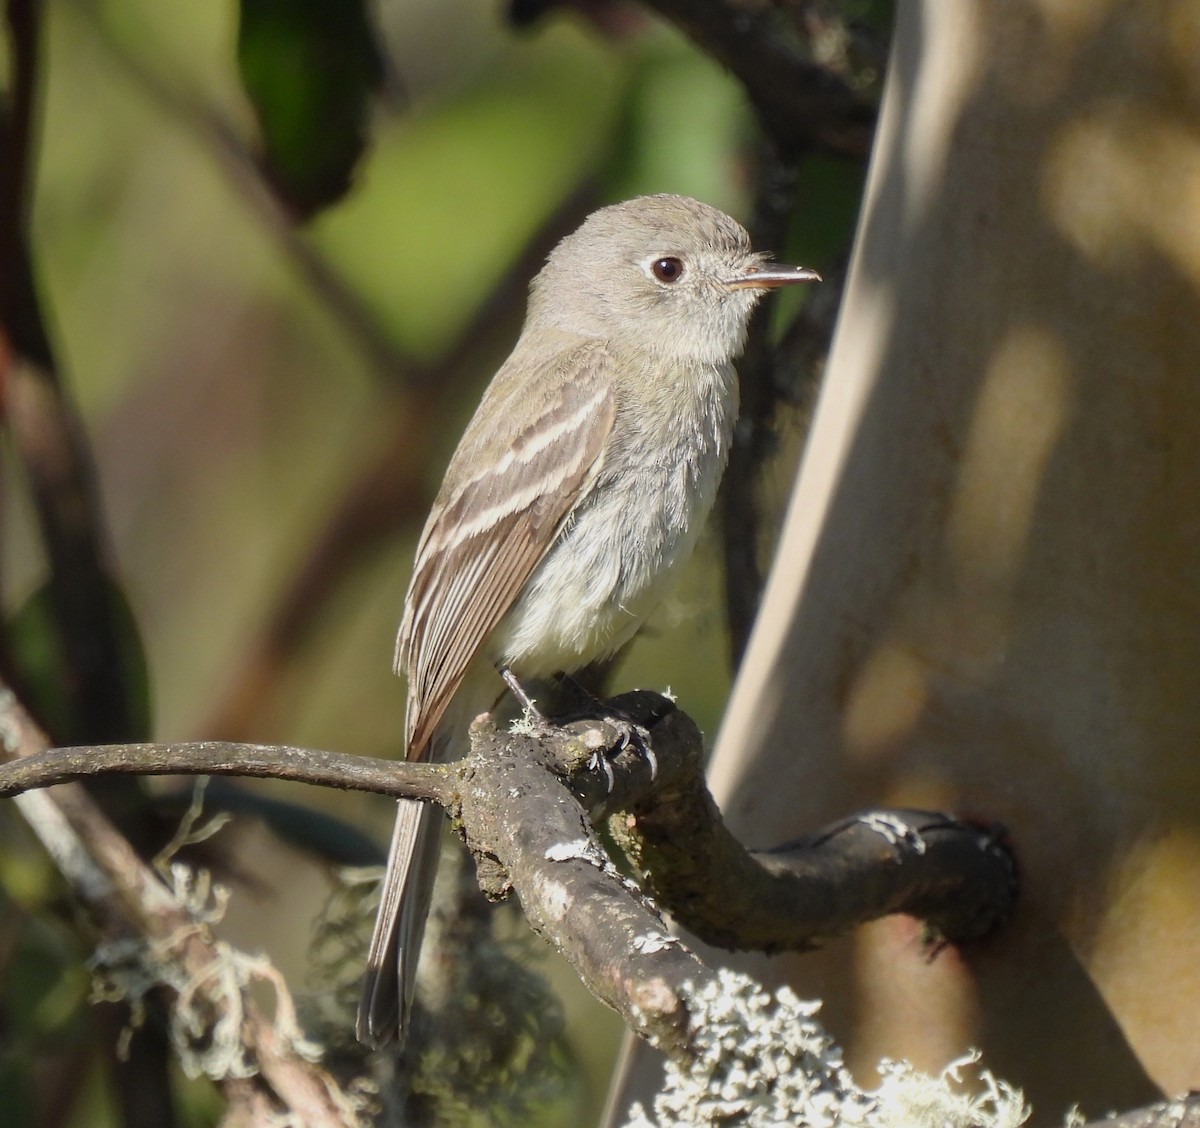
x=258, y=761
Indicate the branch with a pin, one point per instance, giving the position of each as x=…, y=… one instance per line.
x=959, y=879
x=211, y=757
x=528, y=837
x=545, y=850
x=95, y=688
x=799, y=102
x=131, y=904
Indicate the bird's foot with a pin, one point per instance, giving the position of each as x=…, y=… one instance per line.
x=532, y=713
x=630, y=734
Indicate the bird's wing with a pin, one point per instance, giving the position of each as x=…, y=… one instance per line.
x=507, y=493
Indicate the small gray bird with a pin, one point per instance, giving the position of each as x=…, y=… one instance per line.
x=579, y=487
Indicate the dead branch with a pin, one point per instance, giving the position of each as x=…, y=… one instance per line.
x=131, y=903
x=530, y=835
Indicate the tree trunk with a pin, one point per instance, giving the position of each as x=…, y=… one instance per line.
x=987, y=596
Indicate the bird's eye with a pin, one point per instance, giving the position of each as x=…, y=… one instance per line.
x=667, y=269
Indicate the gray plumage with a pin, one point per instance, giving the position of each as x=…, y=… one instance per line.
x=578, y=488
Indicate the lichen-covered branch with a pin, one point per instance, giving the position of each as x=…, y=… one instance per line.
x=539, y=843
x=958, y=878
x=138, y=914
x=532, y=836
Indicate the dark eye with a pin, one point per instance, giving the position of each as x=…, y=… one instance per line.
x=667, y=269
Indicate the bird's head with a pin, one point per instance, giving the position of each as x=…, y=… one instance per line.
x=666, y=274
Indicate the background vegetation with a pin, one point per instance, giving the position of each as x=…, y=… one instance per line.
x=269, y=402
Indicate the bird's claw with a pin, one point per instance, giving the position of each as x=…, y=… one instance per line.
x=629, y=735
x=599, y=760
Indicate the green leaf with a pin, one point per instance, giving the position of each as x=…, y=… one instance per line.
x=310, y=68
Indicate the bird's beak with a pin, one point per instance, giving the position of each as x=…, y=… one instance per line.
x=770, y=276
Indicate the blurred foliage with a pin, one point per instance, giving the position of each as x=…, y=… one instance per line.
x=310, y=68
x=33, y=649
x=234, y=395
x=498, y=156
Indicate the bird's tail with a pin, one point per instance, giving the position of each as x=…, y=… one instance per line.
x=407, y=889
x=400, y=924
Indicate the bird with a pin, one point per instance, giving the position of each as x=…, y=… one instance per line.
x=576, y=492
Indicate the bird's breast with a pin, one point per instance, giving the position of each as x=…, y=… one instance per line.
x=618, y=550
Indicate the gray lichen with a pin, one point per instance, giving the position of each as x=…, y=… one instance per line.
x=762, y=1060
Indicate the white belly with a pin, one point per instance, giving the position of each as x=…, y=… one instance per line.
x=614, y=560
